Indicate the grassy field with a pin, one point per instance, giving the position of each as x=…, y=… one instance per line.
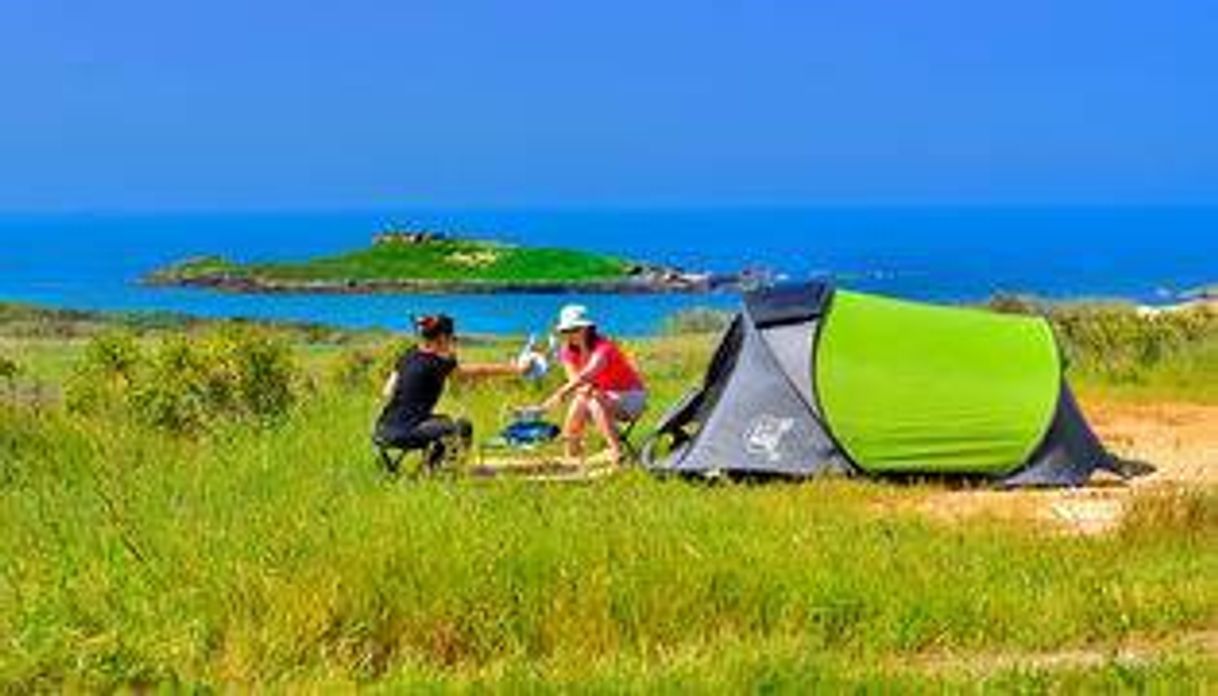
x=162, y=526
x=440, y=260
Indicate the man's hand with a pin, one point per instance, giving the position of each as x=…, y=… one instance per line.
x=531, y=364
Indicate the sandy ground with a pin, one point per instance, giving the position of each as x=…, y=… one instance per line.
x=1180, y=440
x=1135, y=650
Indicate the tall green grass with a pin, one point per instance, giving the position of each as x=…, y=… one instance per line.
x=282, y=555
x=254, y=552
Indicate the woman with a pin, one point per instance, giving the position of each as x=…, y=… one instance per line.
x=605, y=387
x=415, y=386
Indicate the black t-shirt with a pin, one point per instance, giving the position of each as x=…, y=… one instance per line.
x=420, y=382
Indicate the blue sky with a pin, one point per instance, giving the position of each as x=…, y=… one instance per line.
x=153, y=105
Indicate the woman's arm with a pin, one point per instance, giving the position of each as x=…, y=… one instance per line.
x=576, y=378
x=596, y=363
x=390, y=385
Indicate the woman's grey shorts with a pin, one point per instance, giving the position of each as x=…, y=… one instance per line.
x=629, y=404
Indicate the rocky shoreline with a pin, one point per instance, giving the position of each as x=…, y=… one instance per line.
x=631, y=285
x=639, y=280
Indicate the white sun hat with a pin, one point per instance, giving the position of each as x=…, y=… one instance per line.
x=572, y=317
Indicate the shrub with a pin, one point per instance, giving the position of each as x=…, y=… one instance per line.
x=355, y=369
x=187, y=383
x=387, y=356
x=1121, y=343
x=697, y=320
x=182, y=391
x=105, y=375
x=260, y=368
x=9, y=371
x=1007, y=303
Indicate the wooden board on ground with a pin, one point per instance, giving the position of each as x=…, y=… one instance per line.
x=543, y=467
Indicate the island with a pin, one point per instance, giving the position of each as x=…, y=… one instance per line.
x=421, y=261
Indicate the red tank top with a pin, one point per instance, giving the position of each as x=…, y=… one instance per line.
x=616, y=373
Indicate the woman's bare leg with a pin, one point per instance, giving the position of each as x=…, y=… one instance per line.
x=573, y=428
x=603, y=409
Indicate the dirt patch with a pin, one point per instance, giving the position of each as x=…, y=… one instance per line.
x=1139, y=650
x=1180, y=440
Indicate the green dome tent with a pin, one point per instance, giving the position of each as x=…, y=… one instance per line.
x=811, y=380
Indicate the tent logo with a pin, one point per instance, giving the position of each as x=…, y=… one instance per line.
x=764, y=435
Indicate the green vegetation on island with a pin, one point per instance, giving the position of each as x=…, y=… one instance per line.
x=424, y=262
x=195, y=505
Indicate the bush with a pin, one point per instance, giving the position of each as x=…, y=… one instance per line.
x=698, y=320
x=387, y=355
x=105, y=375
x=1122, y=343
x=365, y=368
x=1006, y=303
x=261, y=369
x=355, y=369
x=9, y=371
x=181, y=392
x=188, y=383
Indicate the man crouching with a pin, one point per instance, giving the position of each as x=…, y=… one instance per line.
x=415, y=386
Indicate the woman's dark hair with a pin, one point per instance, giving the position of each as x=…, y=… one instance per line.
x=591, y=338
x=434, y=326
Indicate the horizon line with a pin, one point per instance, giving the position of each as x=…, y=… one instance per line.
x=87, y=211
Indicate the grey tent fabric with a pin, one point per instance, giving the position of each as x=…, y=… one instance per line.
x=791, y=346
x=759, y=423
x=796, y=303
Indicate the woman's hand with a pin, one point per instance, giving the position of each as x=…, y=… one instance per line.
x=557, y=397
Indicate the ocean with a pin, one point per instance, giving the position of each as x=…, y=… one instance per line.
x=940, y=253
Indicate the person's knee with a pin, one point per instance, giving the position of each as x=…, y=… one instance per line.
x=579, y=406
x=390, y=437
x=464, y=429
x=596, y=408
x=576, y=417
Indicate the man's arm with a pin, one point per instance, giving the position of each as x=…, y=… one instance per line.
x=490, y=369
